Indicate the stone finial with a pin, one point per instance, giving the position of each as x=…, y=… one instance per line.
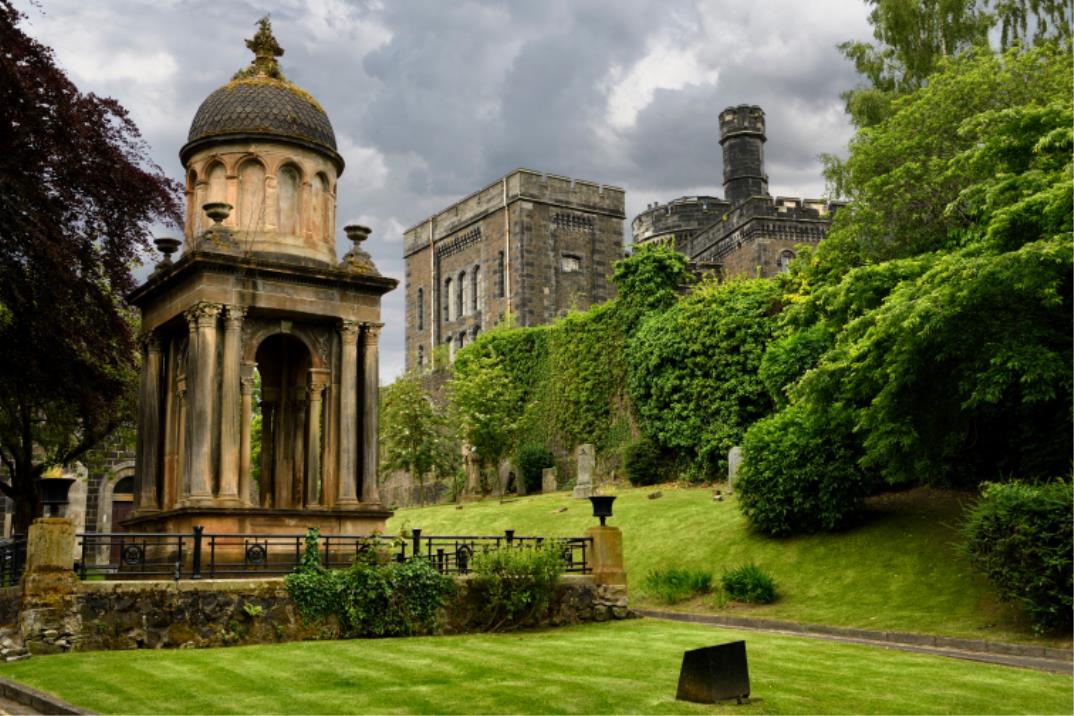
x=266, y=49
x=166, y=246
x=217, y=237
x=357, y=259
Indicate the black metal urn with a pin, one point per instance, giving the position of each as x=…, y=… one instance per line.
x=602, y=506
x=54, y=494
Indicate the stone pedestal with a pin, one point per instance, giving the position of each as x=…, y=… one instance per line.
x=49, y=620
x=607, y=555
x=583, y=485
x=548, y=479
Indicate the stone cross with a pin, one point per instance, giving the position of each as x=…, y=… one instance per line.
x=583, y=486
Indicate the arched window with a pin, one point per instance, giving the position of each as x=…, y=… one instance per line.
x=217, y=184
x=287, y=199
x=447, y=300
x=461, y=294
x=785, y=258
x=251, y=216
x=499, y=276
x=474, y=333
x=420, y=309
x=475, y=290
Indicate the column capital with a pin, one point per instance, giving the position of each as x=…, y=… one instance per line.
x=371, y=330
x=150, y=342
x=203, y=314
x=348, y=330
x=314, y=391
x=233, y=316
x=246, y=385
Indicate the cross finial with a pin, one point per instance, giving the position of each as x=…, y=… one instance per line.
x=266, y=49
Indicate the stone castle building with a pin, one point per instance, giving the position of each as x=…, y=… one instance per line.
x=748, y=232
x=259, y=308
x=530, y=244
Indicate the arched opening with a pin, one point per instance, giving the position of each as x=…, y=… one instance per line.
x=288, y=475
x=447, y=301
x=288, y=182
x=251, y=215
x=463, y=297
x=476, y=294
x=785, y=258
x=122, y=503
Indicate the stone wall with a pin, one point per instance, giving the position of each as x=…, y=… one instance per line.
x=153, y=615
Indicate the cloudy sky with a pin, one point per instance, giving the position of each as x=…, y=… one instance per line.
x=433, y=99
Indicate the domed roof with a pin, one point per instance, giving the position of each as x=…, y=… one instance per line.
x=259, y=101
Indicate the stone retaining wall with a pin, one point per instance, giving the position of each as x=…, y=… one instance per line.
x=188, y=614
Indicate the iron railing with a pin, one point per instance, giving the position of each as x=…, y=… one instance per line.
x=201, y=555
x=12, y=560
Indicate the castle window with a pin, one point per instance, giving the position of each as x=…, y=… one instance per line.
x=475, y=290
x=451, y=348
x=474, y=333
x=570, y=263
x=500, y=276
x=421, y=356
x=421, y=309
x=461, y=296
x=447, y=300
x=785, y=258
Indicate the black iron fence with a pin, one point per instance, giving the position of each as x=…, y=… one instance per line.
x=12, y=560
x=202, y=555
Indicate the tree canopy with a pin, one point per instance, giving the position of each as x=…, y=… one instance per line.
x=78, y=196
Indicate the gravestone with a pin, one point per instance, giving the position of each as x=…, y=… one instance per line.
x=548, y=479
x=583, y=486
x=734, y=462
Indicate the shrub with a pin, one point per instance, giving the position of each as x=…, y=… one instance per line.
x=515, y=584
x=674, y=585
x=530, y=461
x=370, y=598
x=643, y=463
x=749, y=583
x=1019, y=535
x=800, y=471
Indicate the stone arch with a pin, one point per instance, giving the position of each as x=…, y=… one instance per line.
x=216, y=178
x=251, y=208
x=316, y=342
x=784, y=260
x=320, y=204
x=107, y=493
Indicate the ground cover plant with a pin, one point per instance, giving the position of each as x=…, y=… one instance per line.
x=672, y=585
x=617, y=667
x=749, y=583
x=907, y=554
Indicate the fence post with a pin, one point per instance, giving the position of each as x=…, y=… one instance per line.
x=510, y=534
x=606, y=555
x=195, y=570
x=415, y=536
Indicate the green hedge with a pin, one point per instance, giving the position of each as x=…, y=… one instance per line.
x=1019, y=535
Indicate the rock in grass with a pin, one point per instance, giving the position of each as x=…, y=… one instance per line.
x=655, y=495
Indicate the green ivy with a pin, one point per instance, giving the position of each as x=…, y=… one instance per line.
x=515, y=585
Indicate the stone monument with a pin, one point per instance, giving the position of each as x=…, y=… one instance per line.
x=259, y=308
x=734, y=462
x=548, y=479
x=583, y=485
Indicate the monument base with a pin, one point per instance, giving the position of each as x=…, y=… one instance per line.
x=359, y=520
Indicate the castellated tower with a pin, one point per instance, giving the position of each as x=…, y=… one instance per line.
x=742, y=138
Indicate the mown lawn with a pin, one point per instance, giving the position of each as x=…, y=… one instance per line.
x=901, y=570
x=622, y=667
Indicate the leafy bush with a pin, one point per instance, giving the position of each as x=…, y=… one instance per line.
x=1020, y=536
x=800, y=472
x=515, y=584
x=530, y=461
x=692, y=370
x=643, y=463
x=674, y=585
x=749, y=583
x=370, y=598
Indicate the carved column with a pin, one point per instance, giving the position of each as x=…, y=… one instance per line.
x=148, y=455
x=370, y=412
x=229, y=406
x=204, y=315
x=315, y=391
x=247, y=389
x=299, y=469
x=348, y=415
